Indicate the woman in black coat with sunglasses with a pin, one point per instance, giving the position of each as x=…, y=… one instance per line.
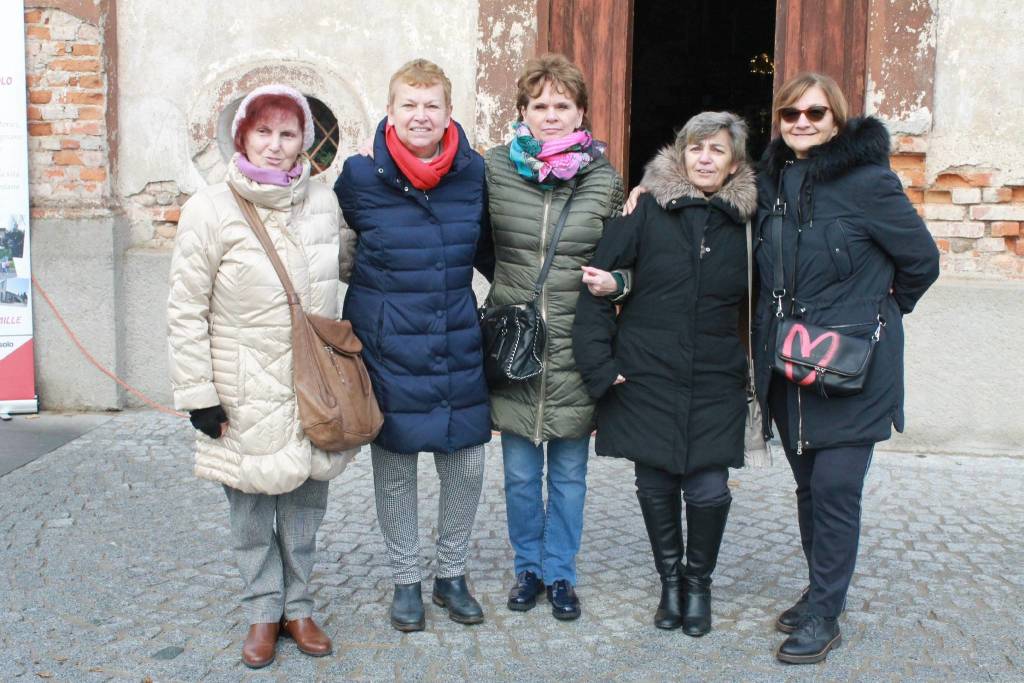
x=856, y=258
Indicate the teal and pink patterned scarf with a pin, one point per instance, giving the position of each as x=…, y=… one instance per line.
x=562, y=158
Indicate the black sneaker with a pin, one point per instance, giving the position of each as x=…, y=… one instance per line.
x=564, y=603
x=811, y=641
x=523, y=596
x=790, y=619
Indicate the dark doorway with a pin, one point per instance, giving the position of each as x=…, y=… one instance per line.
x=695, y=55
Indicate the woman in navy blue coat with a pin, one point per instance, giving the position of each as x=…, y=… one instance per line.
x=854, y=253
x=419, y=208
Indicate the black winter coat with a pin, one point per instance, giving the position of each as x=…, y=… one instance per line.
x=676, y=339
x=859, y=250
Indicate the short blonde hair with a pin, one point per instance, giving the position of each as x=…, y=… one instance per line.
x=793, y=89
x=420, y=73
x=556, y=69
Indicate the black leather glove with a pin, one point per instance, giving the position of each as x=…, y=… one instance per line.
x=208, y=420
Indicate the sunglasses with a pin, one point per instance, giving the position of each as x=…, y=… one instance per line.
x=814, y=113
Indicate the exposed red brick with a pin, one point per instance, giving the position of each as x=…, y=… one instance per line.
x=978, y=178
x=89, y=128
x=70, y=143
x=84, y=98
x=938, y=197
x=40, y=129
x=997, y=195
x=911, y=177
x=949, y=181
x=1018, y=194
x=93, y=174
x=85, y=49
x=1005, y=229
x=67, y=158
x=92, y=65
x=35, y=113
x=172, y=215
x=90, y=82
x=90, y=113
x=32, y=80
x=40, y=96
x=943, y=245
x=907, y=161
x=33, y=16
x=915, y=196
x=38, y=32
x=54, y=172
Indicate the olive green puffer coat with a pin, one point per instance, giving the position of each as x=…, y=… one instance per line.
x=554, y=405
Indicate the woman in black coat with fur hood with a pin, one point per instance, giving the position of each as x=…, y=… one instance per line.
x=669, y=371
x=862, y=258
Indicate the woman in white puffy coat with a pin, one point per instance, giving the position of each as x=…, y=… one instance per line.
x=230, y=345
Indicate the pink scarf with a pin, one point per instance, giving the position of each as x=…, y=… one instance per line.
x=267, y=176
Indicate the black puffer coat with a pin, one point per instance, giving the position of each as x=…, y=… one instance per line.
x=863, y=250
x=676, y=340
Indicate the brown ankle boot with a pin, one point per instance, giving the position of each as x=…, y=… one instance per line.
x=309, y=637
x=260, y=646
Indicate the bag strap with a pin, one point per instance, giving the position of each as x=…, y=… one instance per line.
x=253, y=219
x=555, y=236
x=750, y=310
x=777, y=216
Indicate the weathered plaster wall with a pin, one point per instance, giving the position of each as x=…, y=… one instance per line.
x=507, y=37
x=901, y=64
x=181, y=62
x=978, y=93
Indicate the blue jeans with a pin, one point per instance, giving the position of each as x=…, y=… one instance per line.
x=545, y=540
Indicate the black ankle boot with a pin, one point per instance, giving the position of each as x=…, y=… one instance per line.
x=453, y=594
x=407, y=607
x=663, y=519
x=811, y=641
x=704, y=529
x=791, y=618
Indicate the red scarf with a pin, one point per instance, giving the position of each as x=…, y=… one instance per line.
x=423, y=175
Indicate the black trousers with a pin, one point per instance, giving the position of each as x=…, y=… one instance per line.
x=829, y=484
x=704, y=488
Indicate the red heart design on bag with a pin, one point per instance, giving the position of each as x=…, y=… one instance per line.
x=806, y=347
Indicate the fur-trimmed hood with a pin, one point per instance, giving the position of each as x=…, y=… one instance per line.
x=864, y=141
x=665, y=178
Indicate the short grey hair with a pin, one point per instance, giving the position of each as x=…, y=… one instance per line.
x=707, y=123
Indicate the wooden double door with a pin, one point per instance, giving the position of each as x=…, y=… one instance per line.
x=820, y=35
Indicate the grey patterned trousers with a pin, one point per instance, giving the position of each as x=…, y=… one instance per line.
x=275, y=564
x=394, y=485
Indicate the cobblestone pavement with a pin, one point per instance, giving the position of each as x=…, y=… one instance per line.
x=114, y=565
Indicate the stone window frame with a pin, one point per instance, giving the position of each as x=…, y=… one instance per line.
x=208, y=151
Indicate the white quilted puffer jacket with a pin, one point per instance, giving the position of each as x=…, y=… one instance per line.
x=229, y=332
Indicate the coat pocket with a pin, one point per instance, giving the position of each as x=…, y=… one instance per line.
x=839, y=249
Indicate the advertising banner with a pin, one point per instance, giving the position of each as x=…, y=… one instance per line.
x=17, y=367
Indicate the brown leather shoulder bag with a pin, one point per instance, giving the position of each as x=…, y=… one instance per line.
x=337, y=406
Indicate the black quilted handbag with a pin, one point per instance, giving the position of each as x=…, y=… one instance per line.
x=514, y=335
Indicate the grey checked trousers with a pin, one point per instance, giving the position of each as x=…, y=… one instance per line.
x=394, y=484
x=275, y=564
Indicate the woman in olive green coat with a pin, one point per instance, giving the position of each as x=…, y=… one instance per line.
x=529, y=182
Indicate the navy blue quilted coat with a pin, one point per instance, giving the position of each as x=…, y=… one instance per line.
x=410, y=298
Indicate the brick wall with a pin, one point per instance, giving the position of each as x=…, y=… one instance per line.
x=976, y=223
x=69, y=161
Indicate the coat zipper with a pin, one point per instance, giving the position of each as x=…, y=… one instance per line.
x=539, y=424
x=799, y=421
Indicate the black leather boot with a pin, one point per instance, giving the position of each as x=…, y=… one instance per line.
x=663, y=519
x=811, y=640
x=704, y=529
x=453, y=595
x=407, y=607
x=791, y=618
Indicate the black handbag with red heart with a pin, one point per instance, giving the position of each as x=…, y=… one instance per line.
x=822, y=358
x=833, y=364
